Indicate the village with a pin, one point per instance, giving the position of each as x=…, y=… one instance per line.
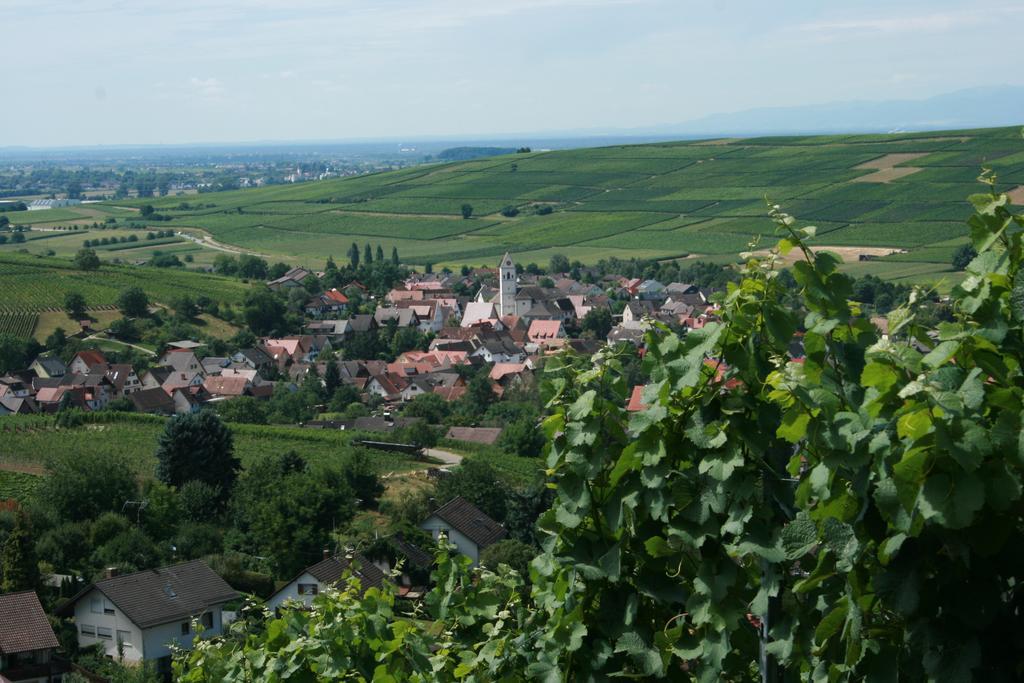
x=477, y=338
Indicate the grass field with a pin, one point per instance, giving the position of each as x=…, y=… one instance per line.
x=65, y=244
x=34, y=283
x=29, y=441
x=660, y=200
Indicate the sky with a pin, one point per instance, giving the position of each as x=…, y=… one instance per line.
x=87, y=72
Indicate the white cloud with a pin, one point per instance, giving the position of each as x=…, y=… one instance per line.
x=209, y=87
x=935, y=22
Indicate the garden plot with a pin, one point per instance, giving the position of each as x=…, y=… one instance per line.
x=887, y=169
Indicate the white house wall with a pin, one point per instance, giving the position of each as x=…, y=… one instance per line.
x=291, y=592
x=435, y=525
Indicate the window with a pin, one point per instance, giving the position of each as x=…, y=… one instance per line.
x=185, y=628
x=88, y=630
x=207, y=620
x=124, y=637
x=308, y=589
x=96, y=604
x=108, y=607
x=104, y=632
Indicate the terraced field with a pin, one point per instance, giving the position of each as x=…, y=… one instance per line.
x=904, y=191
x=34, y=283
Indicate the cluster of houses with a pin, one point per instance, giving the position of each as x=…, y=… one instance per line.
x=143, y=616
x=508, y=328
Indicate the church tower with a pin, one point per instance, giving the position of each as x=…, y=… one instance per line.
x=506, y=286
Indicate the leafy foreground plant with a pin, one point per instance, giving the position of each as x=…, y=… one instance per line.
x=859, y=508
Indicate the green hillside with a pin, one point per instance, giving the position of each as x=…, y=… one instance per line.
x=658, y=200
x=36, y=283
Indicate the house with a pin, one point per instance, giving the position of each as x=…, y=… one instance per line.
x=27, y=641
x=142, y=614
x=182, y=360
x=544, y=331
x=331, y=302
x=48, y=366
x=650, y=290
x=466, y=526
x=86, y=360
x=124, y=379
x=478, y=312
x=227, y=386
x=401, y=317
x=153, y=401
x=497, y=347
x=324, y=575
x=290, y=280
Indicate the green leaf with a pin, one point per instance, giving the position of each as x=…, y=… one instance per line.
x=1017, y=296
x=878, y=375
x=831, y=622
x=799, y=536
x=914, y=425
x=794, y=424
x=583, y=406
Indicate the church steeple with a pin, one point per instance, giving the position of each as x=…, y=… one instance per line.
x=507, y=286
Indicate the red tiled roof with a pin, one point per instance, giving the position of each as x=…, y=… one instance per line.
x=92, y=357
x=635, y=405
x=335, y=296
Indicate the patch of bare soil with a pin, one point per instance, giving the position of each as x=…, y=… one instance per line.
x=23, y=468
x=1016, y=195
x=718, y=142
x=848, y=254
x=887, y=175
x=890, y=160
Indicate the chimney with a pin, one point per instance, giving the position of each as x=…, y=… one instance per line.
x=111, y=572
x=327, y=553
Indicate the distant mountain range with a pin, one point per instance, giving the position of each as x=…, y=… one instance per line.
x=972, y=108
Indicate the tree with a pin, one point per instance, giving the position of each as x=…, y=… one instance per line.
x=199, y=501
x=510, y=212
x=361, y=476
x=332, y=378
x=16, y=353
x=597, y=323
x=394, y=256
x=146, y=211
x=264, y=312
x=279, y=269
x=964, y=254
x=244, y=409
x=285, y=510
x=80, y=486
x=133, y=302
x=19, y=562
x=185, y=307
x=86, y=259
x=522, y=438
x=479, y=483
x=467, y=210
x=252, y=267
x=420, y=433
x=74, y=304
x=353, y=255
x=515, y=554
x=19, y=238
x=123, y=329
x=57, y=340
x=559, y=264
x=380, y=254
x=431, y=407
x=197, y=447
x=367, y=254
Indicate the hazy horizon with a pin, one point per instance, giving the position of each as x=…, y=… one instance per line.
x=106, y=73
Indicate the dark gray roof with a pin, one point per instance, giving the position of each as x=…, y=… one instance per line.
x=159, y=596
x=152, y=400
x=23, y=624
x=471, y=522
x=52, y=364
x=330, y=570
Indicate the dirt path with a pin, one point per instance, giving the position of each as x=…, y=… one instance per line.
x=37, y=470
x=447, y=457
x=210, y=243
x=97, y=337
